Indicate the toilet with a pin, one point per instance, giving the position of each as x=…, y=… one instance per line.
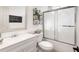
x=45, y=46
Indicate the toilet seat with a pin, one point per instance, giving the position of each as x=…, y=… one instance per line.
x=46, y=45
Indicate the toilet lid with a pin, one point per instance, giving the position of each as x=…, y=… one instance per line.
x=46, y=45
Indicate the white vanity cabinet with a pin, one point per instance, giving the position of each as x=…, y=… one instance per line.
x=26, y=45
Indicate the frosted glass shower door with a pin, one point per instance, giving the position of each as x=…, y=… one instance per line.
x=66, y=25
x=49, y=26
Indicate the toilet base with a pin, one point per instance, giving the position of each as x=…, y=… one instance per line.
x=45, y=46
x=41, y=50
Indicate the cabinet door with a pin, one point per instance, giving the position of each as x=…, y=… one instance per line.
x=49, y=24
x=30, y=47
x=66, y=25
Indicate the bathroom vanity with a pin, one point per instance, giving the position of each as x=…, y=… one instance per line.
x=20, y=43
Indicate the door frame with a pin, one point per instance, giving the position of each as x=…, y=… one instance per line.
x=75, y=15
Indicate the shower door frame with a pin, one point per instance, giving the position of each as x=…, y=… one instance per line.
x=75, y=15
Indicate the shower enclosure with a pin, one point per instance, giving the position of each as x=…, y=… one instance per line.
x=60, y=25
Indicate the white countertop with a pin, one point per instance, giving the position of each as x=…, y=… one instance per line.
x=13, y=40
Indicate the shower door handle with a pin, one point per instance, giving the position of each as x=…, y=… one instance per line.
x=67, y=26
